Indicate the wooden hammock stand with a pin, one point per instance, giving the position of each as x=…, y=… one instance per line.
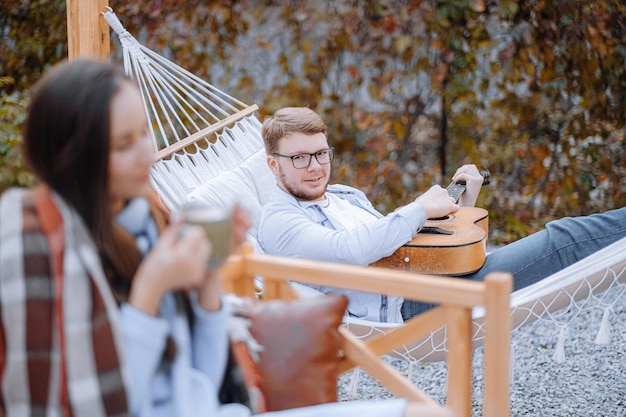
x=88, y=36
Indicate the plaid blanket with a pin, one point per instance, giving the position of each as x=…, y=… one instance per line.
x=60, y=351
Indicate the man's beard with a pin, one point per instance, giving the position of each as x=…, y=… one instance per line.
x=300, y=194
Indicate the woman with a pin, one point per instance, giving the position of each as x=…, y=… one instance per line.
x=105, y=308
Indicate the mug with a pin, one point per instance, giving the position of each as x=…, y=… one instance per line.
x=217, y=224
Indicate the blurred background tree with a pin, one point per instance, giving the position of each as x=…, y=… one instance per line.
x=532, y=90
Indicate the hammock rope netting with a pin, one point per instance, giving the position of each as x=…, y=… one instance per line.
x=197, y=130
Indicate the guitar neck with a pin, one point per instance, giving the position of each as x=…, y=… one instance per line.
x=456, y=189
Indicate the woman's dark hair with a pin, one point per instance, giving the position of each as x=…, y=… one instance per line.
x=67, y=135
x=67, y=142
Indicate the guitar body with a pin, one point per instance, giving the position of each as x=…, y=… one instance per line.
x=460, y=251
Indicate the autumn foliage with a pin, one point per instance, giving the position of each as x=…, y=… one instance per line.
x=532, y=90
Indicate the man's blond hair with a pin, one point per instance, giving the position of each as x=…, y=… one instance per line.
x=287, y=121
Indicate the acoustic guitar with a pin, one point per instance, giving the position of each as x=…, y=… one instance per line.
x=452, y=245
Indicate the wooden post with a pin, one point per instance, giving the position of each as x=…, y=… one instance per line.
x=87, y=31
x=497, y=344
x=459, y=359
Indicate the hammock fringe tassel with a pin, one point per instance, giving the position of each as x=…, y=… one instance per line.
x=604, y=334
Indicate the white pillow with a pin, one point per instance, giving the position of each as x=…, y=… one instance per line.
x=250, y=184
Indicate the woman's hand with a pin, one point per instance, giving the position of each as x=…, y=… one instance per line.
x=209, y=292
x=241, y=224
x=175, y=263
x=473, y=182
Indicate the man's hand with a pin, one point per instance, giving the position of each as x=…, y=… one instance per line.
x=437, y=202
x=473, y=182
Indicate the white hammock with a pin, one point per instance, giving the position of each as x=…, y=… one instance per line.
x=197, y=130
x=232, y=168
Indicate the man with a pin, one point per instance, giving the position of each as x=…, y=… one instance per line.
x=307, y=218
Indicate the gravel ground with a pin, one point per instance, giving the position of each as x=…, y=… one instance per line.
x=591, y=382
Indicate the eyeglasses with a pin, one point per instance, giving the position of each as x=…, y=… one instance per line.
x=303, y=160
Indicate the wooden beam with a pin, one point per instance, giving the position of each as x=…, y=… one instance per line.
x=497, y=344
x=87, y=31
x=207, y=131
x=460, y=360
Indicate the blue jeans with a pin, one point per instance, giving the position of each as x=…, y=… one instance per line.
x=562, y=243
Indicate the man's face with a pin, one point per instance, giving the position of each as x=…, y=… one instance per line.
x=306, y=184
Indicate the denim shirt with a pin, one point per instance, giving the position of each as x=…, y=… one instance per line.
x=289, y=228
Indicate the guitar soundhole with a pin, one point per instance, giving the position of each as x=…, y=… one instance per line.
x=439, y=218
